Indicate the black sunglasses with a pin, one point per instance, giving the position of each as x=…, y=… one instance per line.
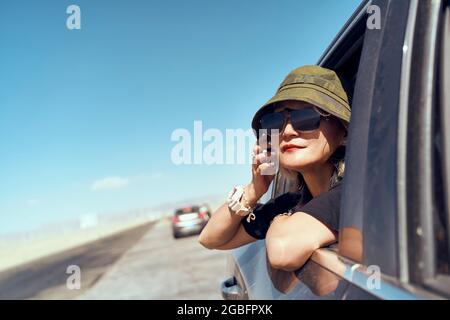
x=305, y=119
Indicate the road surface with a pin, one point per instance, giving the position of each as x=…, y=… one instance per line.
x=161, y=267
x=141, y=263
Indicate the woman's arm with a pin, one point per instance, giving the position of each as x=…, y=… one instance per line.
x=291, y=240
x=239, y=239
x=224, y=230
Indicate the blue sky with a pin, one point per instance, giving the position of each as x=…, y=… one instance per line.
x=81, y=106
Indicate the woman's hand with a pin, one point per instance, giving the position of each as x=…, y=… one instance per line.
x=224, y=230
x=262, y=175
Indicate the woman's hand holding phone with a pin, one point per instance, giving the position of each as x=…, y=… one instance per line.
x=262, y=174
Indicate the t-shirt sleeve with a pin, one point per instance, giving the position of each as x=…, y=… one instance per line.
x=325, y=207
x=264, y=213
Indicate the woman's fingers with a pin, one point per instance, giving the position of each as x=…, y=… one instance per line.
x=261, y=155
x=256, y=149
x=261, y=158
x=263, y=161
x=265, y=168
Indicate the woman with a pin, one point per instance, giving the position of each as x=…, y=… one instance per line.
x=311, y=113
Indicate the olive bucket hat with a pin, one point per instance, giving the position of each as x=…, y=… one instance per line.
x=313, y=84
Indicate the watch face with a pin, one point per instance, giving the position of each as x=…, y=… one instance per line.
x=234, y=202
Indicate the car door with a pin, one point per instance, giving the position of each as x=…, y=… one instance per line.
x=393, y=200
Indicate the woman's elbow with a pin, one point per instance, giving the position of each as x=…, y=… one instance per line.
x=206, y=241
x=288, y=254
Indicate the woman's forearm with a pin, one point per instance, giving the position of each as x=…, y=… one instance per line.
x=221, y=228
x=291, y=240
x=224, y=223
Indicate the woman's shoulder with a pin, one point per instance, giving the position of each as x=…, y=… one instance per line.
x=332, y=195
x=285, y=201
x=296, y=199
x=325, y=207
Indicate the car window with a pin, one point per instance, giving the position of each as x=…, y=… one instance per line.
x=344, y=59
x=187, y=210
x=343, y=56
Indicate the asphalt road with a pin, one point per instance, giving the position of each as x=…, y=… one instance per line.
x=161, y=267
x=141, y=263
